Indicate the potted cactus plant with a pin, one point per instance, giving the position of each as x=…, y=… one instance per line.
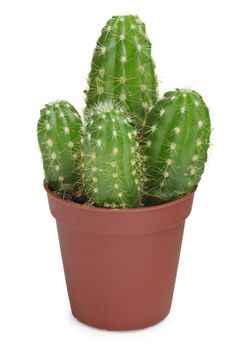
x=120, y=181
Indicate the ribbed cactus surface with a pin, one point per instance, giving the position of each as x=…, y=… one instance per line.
x=178, y=132
x=59, y=136
x=122, y=68
x=112, y=160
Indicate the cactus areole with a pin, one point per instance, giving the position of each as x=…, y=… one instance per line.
x=122, y=68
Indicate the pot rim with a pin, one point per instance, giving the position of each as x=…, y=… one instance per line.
x=126, y=210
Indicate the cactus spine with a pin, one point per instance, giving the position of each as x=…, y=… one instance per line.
x=112, y=161
x=122, y=68
x=59, y=136
x=178, y=132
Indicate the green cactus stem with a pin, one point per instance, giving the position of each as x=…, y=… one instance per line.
x=122, y=68
x=59, y=136
x=178, y=131
x=112, y=160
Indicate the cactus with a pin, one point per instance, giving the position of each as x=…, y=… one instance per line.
x=112, y=161
x=122, y=68
x=59, y=136
x=178, y=132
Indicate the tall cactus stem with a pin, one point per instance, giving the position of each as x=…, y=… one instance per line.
x=122, y=68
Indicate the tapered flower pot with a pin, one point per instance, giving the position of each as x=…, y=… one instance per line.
x=120, y=264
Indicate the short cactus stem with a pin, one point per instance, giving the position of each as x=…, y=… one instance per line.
x=112, y=159
x=178, y=132
x=122, y=68
x=60, y=136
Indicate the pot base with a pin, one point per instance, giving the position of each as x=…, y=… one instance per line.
x=112, y=326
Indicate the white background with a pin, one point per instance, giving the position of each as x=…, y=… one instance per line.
x=45, y=52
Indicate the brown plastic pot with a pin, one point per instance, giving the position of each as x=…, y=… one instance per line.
x=120, y=265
